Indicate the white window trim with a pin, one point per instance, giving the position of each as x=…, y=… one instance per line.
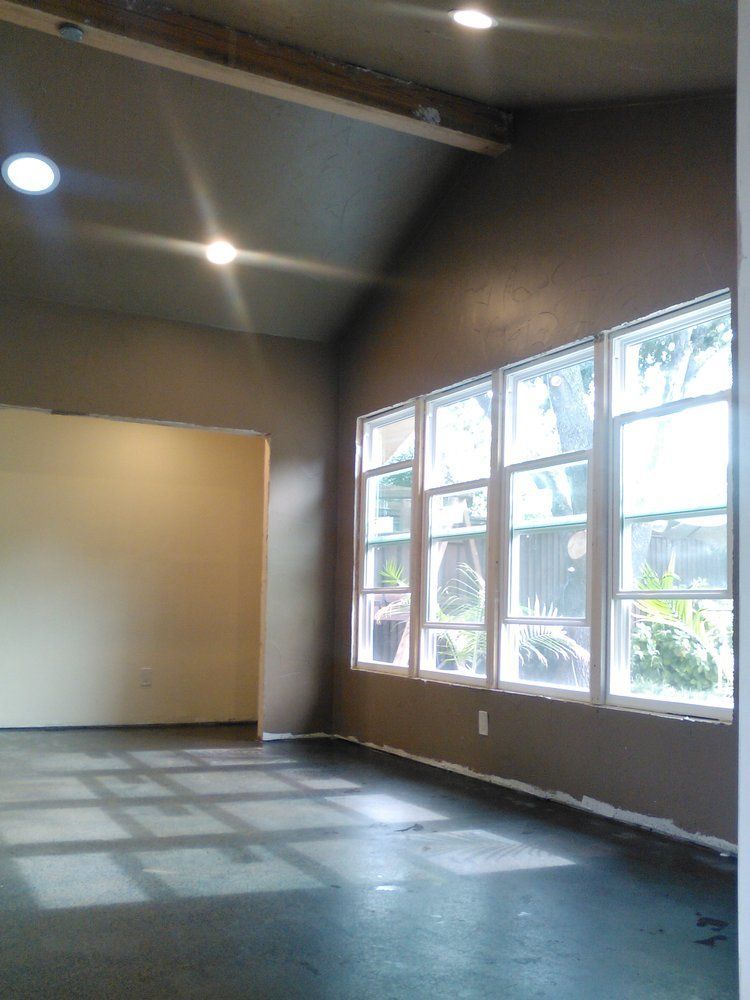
x=424, y=624
x=603, y=503
x=718, y=305
x=511, y=376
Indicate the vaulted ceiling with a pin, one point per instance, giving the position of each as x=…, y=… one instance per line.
x=541, y=52
x=155, y=163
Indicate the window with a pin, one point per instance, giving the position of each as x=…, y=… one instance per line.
x=546, y=621
x=457, y=480
x=671, y=619
x=386, y=556
x=561, y=526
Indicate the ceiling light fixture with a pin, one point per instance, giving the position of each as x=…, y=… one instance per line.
x=31, y=173
x=471, y=18
x=220, y=252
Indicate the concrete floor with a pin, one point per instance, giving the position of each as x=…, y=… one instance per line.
x=183, y=863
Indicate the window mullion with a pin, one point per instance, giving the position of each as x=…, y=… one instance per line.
x=359, y=522
x=464, y=487
x=550, y=461
x=384, y=470
x=418, y=557
x=494, y=534
x=598, y=521
x=674, y=595
x=672, y=406
x=502, y=568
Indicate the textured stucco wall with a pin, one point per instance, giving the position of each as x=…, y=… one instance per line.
x=62, y=358
x=591, y=220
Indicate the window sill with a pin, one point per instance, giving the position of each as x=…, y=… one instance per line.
x=664, y=710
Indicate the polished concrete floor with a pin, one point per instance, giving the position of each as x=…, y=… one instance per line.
x=193, y=863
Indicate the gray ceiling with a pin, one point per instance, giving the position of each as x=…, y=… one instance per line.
x=543, y=52
x=155, y=163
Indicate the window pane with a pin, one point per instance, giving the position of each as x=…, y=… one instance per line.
x=387, y=565
x=389, y=507
x=677, y=650
x=389, y=439
x=554, y=495
x=552, y=655
x=678, y=364
x=462, y=439
x=549, y=573
x=675, y=553
x=457, y=556
x=456, y=651
x=677, y=462
x=553, y=412
x=384, y=629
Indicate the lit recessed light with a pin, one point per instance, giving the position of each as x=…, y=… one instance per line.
x=31, y=173
x=220, y=252
x=471, y=18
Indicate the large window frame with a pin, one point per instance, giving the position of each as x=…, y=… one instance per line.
x=603, y=523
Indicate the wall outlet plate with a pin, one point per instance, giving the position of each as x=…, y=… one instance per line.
x=145, y=677
x=483, y=723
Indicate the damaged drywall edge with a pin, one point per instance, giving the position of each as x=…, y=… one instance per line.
x=270, y=737
x=653, y=824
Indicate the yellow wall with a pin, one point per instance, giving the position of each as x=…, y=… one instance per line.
x=126, y=546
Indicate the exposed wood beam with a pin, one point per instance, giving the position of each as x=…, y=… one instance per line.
x=154, y=33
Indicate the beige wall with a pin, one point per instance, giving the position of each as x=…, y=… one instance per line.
x=64, y=358
x=594, y=218
x=128, y=546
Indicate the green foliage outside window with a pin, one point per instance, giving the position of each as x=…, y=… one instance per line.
x=674, y=642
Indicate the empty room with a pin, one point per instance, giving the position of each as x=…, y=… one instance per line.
x=374, y=478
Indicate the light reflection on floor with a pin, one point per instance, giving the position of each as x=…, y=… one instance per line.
x=50, y=826
x=234, y=782
x=210, y=871
x=386, y=808
x=43, y=789
x=88, y=829
x=182, y=864
x=87, y=879
x=478, y=852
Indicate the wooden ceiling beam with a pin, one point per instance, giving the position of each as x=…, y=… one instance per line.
x=155, y=33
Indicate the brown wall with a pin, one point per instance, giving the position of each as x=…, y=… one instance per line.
x=56, y=357
x=591, y=220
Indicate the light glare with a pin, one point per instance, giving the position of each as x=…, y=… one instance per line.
x=30, y=173
x=220, y=252
x=471, y=18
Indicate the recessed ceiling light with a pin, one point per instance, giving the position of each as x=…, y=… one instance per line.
x=471, y=18
x=220, y=252
x=31, y=173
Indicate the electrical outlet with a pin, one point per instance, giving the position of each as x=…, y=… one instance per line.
x=483, y=723
x=145, y=677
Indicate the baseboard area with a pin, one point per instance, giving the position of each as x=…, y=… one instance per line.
x=653, y=824
x=271, y=737
x=130, y=725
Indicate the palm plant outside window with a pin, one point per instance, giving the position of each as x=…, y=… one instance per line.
x=561, y=526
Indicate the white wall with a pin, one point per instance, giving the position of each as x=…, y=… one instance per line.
x=743, y=176
x=126, y=546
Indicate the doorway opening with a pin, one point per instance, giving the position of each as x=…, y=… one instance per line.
x=132, y=571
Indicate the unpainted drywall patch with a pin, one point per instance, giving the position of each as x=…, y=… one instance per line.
x=270, y=737
x=653, y=824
